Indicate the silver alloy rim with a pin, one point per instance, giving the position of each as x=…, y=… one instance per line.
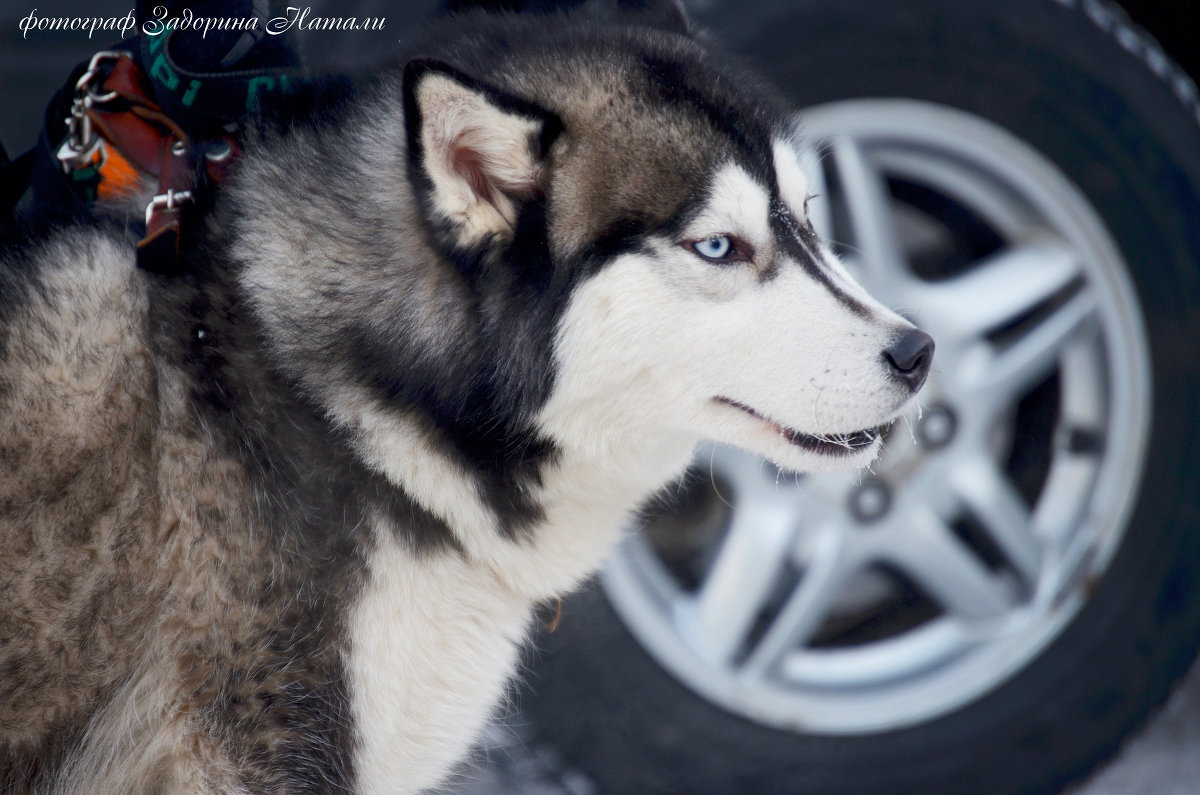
x=1048, y=315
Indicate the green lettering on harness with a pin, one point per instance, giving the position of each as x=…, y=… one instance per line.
x=255, y=85
x=189, y=96
x=162, y=72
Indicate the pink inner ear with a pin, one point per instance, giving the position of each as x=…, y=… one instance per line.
x=470, y=164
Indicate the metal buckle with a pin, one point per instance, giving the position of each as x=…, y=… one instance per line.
x=82, y=146
x=84, y=83
x=166, y=201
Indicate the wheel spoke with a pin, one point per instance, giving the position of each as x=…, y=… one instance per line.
x=828, y=570
x=994, y=501
x=998, y=290
x=929, y=553
x=1014, y=369
x=868, y=205
x=742, y=577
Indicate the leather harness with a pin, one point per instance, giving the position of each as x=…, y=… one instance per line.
x=118, y=138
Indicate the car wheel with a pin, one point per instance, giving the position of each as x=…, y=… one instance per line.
x=1012, y=587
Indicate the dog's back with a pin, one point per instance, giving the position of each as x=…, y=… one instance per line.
x=161, y=628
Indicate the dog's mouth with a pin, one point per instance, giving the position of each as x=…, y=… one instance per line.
x=833, y=444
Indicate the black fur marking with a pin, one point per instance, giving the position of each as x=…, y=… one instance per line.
x=622, y=237
x=552, y=127
x=485, y=426
x=506, y=460
x=800, y=242
x=516, y=306
x=518, y=295
x=687, y=212
x=479, y=392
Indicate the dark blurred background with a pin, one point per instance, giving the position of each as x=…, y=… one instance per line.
x=34, y=65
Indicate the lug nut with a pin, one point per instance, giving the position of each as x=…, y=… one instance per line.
x=870, y=501
x=936, y=427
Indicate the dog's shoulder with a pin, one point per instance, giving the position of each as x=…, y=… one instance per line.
x=74, y=360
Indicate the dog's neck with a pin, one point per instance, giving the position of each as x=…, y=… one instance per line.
x=537, y=535
x=581, y=500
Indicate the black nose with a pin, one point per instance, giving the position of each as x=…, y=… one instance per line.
x=909, y=357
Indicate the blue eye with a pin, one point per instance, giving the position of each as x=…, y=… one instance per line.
x=715, y=248
x=724, y=249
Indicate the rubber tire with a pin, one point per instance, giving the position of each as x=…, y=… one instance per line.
x=1057, y=78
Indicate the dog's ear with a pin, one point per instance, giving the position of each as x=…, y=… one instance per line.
x=477, y=152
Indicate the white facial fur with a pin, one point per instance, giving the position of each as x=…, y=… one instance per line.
x=660, y=342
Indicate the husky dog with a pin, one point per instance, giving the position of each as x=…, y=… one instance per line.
x=279, y=524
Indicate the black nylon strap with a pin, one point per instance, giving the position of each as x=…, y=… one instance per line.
x=206, y=81
x=202, y=100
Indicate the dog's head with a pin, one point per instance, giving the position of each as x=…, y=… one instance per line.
x=654, y=207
